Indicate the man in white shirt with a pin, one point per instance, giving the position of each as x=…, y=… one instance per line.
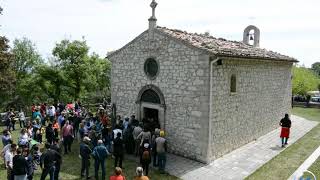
x=9, y=160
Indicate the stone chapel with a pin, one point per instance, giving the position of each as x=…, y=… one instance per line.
x=210, y=95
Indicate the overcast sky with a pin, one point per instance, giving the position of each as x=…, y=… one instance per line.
x=290, y=27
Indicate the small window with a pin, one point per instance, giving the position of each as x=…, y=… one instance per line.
x=151, y=68
x=233, y=83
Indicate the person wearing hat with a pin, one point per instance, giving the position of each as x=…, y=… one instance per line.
x=85, y=152
x=100, y=154
x=161, y=149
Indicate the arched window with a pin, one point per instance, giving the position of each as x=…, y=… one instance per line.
x=150, y=96
x=233, y=83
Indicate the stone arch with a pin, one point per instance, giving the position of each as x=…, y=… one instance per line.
x=256, y=35
x=154, y=89
x=151, y=98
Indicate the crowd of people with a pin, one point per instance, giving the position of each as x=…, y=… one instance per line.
x=59, y=126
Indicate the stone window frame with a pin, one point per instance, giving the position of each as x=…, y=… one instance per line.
x=233, y=73
x=146, y=73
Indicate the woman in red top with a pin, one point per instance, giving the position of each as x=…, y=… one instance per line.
x=118, y=174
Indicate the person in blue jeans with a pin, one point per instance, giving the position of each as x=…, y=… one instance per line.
x=100, y=154
x=161, y=149
x=48, y=161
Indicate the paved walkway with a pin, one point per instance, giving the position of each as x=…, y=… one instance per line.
x=241, y=162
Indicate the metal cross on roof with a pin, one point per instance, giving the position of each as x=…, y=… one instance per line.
x=153, y=5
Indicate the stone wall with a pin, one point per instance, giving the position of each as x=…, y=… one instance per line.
x=263, y=97
x=183, y=79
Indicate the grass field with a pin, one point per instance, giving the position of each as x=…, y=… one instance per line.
x=71, y=166
x=285, y=164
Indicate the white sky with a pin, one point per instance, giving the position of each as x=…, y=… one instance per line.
x=290, y=27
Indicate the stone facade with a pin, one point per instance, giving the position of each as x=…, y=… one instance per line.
x=183, y=79
x=202, y=119
x=263, y=97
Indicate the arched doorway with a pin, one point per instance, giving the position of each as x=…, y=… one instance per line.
x=151, y=105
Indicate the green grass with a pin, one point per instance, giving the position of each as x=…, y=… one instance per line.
x=71, y=166
x=284, y=165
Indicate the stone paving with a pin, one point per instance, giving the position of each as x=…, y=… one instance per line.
x=241, y=162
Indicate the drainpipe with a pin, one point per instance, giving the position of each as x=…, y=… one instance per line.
x=210, y=108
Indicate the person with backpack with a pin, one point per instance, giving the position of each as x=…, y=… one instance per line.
x=100, y=154
x=146, y=157
x=85, y=152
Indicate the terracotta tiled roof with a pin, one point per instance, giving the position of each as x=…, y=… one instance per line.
x=223, y=47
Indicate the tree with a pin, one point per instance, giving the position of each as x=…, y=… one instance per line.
x=26, y=57
x=304, y=80
x=52, y=81
x=73, y=58
x=7, y=75
x=316, y=68
x=98, y=82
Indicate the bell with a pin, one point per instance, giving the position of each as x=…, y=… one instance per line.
x=251, y=38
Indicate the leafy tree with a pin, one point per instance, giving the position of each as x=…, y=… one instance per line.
x=98, y=85
x=52, y=82
x=26, y=57
x=73, y=58
x=7, y=75
x=304, y=80
x=316, y=68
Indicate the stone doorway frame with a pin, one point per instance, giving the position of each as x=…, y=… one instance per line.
x=160, y=107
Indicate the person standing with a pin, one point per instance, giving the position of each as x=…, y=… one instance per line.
x=56, y=147
x=9, y=160
x=85, y=152
x=49, y=133
x=6, y=137
x=146, y=157
x=47, y=162
x=100, y=154
x=154, y=151
x=161, y=149
x=67, y=134
x=22, y=119
x=30, y=164
x=285, y=123
x=136, y=131
x=20, y=166
x=118, y=150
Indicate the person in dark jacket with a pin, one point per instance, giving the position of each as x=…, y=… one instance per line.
x=85, y=152
x=30, y=164
x=20, y=166
x=47, y=162
x=285, y=124
x=118, y=150
x=49, y=133
x=55, y=146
